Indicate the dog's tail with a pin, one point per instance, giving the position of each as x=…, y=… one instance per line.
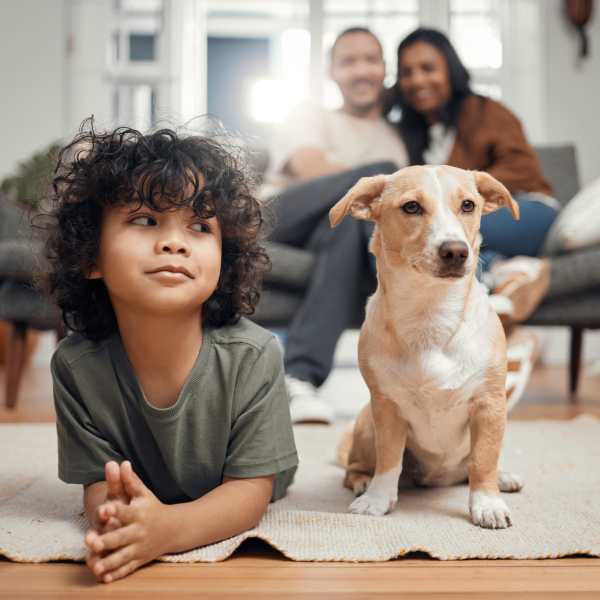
x=343, y=448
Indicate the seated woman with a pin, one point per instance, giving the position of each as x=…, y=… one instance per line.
x=444, y=122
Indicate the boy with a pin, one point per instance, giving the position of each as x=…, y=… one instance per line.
x=171, y=408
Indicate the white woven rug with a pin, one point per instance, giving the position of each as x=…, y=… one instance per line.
x=556, y=514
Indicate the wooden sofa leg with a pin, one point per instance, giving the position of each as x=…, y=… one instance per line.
x=15, y=362
x=575, y=361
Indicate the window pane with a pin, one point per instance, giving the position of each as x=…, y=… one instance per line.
x=142, y=46
x=465, y=6
x=258, y=61
x=142, y=106
x=364, y=7
x=134, y=105
x=477, y=40
x=141, y=6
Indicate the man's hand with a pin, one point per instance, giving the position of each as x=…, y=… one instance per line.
x=143, y=532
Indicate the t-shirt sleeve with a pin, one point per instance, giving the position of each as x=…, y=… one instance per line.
x=261, y=441
x=82, y=449
x=302, y=129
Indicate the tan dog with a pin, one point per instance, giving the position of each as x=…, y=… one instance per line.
x=431, y=349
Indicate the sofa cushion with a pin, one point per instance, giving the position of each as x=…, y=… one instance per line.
x=578, y=224
x=290, y=267
x=580, y=310
x=20, y=259
x=559, y=165
x=20, y=302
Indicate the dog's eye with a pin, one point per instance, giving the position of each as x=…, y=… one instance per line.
x=412, y=208
x=468, y=206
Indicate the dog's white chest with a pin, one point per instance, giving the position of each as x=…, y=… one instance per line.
x=430, y=371
x=442, y=371
x=433, y=387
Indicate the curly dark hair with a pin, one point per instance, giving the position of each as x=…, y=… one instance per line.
x=162, y=170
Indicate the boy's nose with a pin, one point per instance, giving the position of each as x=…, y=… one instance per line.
x=174, y=246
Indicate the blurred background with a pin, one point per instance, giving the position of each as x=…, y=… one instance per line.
x=142, y=62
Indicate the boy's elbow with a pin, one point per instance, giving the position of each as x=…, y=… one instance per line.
x=262, y=498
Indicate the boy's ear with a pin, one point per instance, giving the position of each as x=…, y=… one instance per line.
x=361, y=201
x=496, y=196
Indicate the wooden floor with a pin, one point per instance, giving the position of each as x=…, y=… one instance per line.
x=257, y=571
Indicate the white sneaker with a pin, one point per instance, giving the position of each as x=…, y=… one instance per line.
x=524, y=280
x=522, y=352
x=305, y=404
x=502, y=305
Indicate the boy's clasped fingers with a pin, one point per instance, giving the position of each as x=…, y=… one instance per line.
x=132, y=484
x=112, y=524
x=115, y=489
x=116, y=539
x=106, y=568
x=121, y=572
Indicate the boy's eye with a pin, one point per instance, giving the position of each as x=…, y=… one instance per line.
x=143, y=220
x=201, y=227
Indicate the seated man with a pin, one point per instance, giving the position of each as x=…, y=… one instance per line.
x=315, y=160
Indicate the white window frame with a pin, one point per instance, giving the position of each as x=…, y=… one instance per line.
x=521, y=77
x=124, y=73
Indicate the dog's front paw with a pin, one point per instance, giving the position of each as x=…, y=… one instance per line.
x=509, y=482
x=376, y=505
x=489, y=511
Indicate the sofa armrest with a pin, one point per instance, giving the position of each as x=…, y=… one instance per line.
x=575, y=272
x=290, y=267
x=20, y=259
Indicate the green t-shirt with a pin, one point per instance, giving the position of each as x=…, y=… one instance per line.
x=231, y=418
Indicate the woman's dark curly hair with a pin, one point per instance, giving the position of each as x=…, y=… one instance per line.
x=162, y=170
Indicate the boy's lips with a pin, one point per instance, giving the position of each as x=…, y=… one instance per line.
x=172, y=269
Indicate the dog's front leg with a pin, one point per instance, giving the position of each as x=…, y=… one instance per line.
x=390, y=432
x=487, y=422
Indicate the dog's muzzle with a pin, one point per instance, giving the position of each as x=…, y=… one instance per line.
x=453, y=256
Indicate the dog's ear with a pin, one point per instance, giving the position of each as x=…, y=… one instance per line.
x=495, y=194
x=359, y=200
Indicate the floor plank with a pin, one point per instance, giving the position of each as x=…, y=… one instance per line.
x=258, y=575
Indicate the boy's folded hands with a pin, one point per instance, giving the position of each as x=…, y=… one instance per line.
x=115, y=492
x=131, y=526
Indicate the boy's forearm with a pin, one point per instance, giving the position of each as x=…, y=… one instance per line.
x=232, y=508
x=93, y=496
x=308, y=163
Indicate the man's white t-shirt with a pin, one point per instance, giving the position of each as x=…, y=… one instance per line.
x=343, y=139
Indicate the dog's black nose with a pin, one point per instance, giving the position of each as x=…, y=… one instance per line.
x=454, y=254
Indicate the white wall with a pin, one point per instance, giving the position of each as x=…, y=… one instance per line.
x=32, y=76
x=523, y=73
x=89, y=89
x=573, y=88
x=53, y=72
